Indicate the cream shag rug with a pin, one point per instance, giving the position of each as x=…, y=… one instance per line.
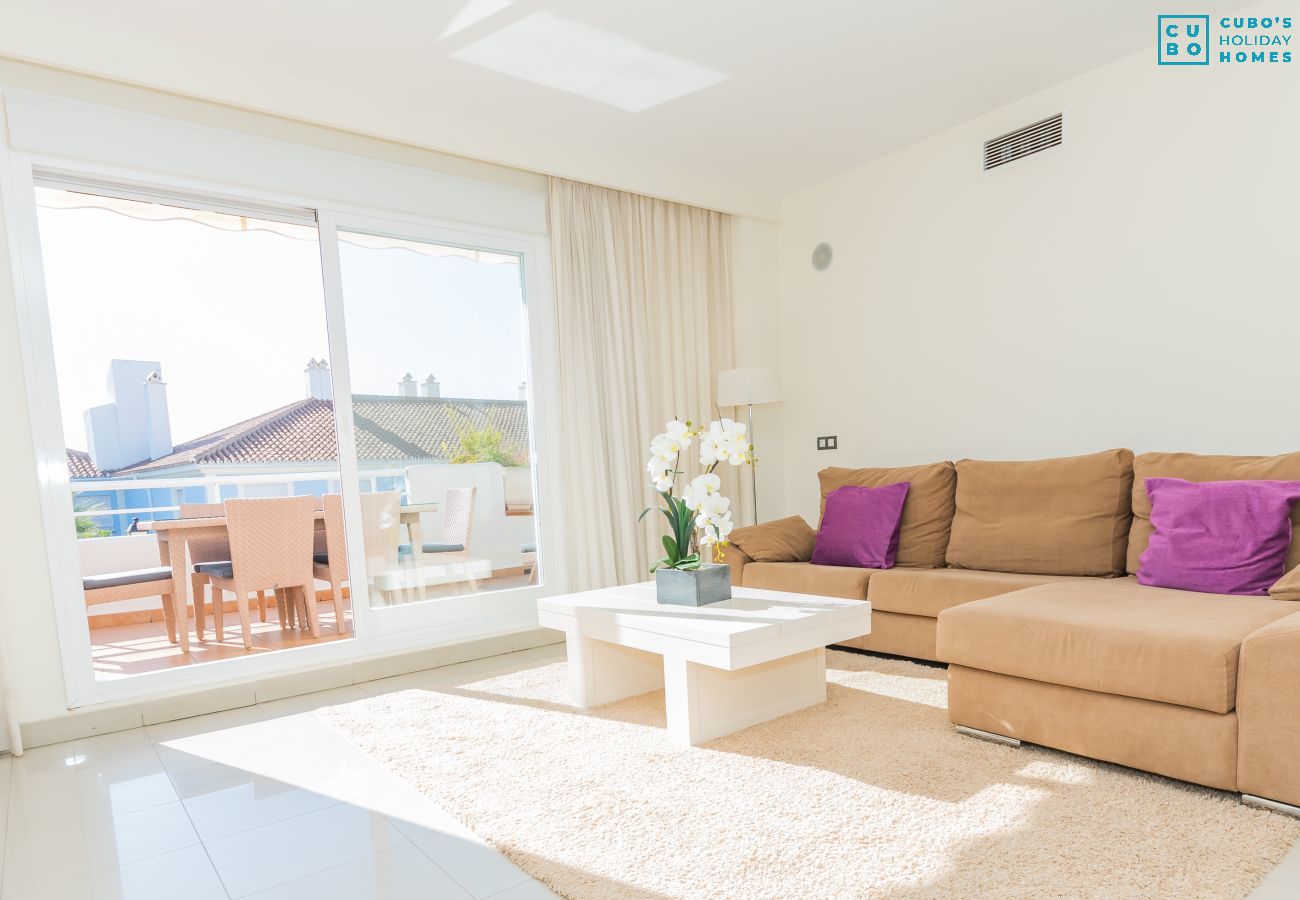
x=871, y=794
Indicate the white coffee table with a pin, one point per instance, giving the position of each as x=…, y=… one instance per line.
x=722, y=667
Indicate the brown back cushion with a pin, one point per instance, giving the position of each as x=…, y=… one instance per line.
x=1068, y=516
x=784, y=540
x=927, y=512
x=1288, y=586
x=1196, y=467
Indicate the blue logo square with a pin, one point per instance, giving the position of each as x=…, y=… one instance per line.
x=1183, y=40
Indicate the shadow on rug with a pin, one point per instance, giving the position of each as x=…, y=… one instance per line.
x=871, y=794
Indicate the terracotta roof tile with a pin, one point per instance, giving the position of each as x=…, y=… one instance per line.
x=387, y=428
x=80, y=465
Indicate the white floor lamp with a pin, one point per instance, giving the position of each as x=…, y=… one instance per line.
x=746, y=387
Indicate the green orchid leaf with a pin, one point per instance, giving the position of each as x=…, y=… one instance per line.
x=670, y=546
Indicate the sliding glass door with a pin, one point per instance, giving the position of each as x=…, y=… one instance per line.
x=273, y=433
x=180, y=334
x=433, y=346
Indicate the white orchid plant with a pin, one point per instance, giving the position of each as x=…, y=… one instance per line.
x=701, y=516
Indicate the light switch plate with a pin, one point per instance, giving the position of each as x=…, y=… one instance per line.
x=828, y=442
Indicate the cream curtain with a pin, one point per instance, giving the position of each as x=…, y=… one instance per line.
x=644, y=314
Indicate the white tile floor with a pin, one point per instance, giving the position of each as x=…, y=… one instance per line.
x=1283, y=883
x=264, y=801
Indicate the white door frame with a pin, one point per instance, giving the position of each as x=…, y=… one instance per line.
x=534, y=255
x=190, y=150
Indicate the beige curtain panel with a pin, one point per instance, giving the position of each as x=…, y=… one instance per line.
x=644, y=308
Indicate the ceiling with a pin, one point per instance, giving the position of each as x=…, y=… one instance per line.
x=730, y=104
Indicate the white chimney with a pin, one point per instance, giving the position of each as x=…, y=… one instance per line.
x=523, y=390
x=430, y=388
x=319, y=386
x=159, y=419
x=134, y=425
x=406, y=387
x=102, y=440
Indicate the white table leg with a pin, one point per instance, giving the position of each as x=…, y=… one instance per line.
x=602, y=673
x=704, y=703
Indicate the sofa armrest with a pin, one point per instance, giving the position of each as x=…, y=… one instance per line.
x=736, y=558
x=780, y=540
x=1268, y=712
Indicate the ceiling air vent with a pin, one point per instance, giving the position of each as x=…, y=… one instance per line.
x=1023, y=142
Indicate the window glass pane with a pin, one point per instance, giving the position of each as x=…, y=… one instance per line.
x=187, y=348
x=438, y=357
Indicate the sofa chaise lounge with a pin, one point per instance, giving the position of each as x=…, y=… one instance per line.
x=1020, y=576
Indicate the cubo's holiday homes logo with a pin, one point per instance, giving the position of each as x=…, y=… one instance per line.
x=1185, y=40
x=1182, y=40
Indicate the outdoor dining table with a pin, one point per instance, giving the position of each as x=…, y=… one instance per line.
x=174, y=536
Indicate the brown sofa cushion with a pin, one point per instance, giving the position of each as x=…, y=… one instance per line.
x=928, y=592
x=927, y=512
x=1178, y=741
x=785, y=540
x=805, y=578
x=1198, y=467
x=1287, y=587
x=736, y=558
x=1067, y=516
x=899, y=634
x=1112, y=635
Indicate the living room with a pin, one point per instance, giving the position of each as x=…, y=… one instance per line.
x=955, y=338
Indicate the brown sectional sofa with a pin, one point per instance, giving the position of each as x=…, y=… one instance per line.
x=1019, y=575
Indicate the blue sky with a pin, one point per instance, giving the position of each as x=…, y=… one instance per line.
x=233, y=317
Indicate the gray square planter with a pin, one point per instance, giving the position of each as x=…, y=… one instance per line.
x=700, y=587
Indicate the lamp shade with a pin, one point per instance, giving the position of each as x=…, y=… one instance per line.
x=740, y=387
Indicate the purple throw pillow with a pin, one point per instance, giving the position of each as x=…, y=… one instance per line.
x=1221, y=537
x=860, y=526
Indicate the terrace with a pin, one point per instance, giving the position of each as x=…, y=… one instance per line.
x=288, y=452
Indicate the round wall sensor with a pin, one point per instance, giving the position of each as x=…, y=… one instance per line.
x=821, y=257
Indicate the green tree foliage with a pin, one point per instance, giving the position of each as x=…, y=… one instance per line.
x=482, y=443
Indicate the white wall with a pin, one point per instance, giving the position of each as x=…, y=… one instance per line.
x=1136, y=287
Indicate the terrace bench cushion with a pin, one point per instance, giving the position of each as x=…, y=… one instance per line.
x=928, y=592
x=117, y=579
x=846, y=582
x=217, y=568
x=1113, y=636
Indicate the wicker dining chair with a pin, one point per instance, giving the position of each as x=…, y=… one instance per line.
x=457, y=523
x=270, y=549
x=381, y=533
x=208, y=554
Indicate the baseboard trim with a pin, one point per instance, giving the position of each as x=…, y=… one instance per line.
x=988, y=736
x=1274, y=805
x=90, y=721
